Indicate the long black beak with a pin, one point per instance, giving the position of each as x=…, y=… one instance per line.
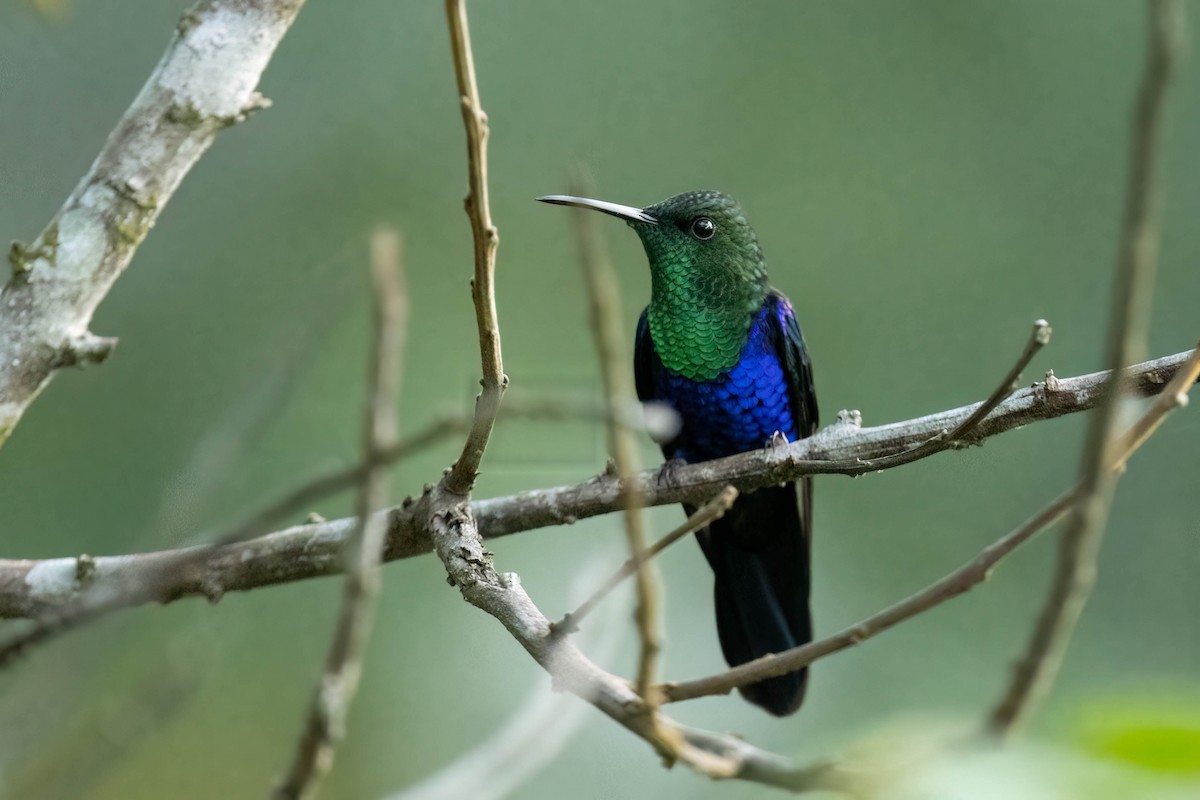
x=624, y=212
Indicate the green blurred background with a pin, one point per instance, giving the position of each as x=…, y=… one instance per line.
x=927, y=178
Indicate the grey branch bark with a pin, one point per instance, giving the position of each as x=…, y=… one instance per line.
x=36, y=588
x=205, y=82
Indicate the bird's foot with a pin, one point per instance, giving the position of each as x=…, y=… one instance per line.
x=778, y=440
x=668, y=473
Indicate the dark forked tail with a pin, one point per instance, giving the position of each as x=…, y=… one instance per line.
x=759, y=553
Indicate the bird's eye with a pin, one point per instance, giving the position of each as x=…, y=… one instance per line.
x=703, y=228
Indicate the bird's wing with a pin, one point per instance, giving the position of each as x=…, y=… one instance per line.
x=647, y=364
x=645, y=361
x=788, y=342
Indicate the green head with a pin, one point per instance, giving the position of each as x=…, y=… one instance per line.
x=708, y=276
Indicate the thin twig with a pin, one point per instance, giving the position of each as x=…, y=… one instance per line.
x=704, y=516
x=338, y=479
x=204, y=83
x=1039, y=338
x=483, y=291
x=963, y=431
x=330, y=706
x=301, y=498
x=1133, y=286
x=952, y=585
x=50, y=590
x=604, y=302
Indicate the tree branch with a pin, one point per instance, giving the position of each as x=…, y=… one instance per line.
x=604, y=301
x=462, y=475
x=460, y=548
x=704, y=516
x=204, y=83
x=952, y=585
x=301, y=498
x=330, y=705
x=962, y=432
x=1133, y=289
x=38, y=588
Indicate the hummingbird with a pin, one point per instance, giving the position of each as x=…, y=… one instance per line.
x=723, y=348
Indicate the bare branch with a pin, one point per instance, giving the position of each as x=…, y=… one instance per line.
x=301, y=498
x=330, y=706
x=483, y=291
x=963, y=431
x=205, y=82
x=704, y=516
x=1132, y=293
x=45, y=588
x=604, y=300
x=952, y=585
x=91, y=587
x=844, y=448
x=460, y=548
x=1133, y=289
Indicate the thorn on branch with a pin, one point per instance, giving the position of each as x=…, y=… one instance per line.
x=851, y=418
x=211, y=587
x=1041, y=332
x=85, y=571
x=187, y=21
x=21, y=256
x=87, y=348
x=257, y=102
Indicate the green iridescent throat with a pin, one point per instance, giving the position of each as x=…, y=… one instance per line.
x=699, y=321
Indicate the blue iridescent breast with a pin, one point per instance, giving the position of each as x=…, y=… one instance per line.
x=739, y=410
